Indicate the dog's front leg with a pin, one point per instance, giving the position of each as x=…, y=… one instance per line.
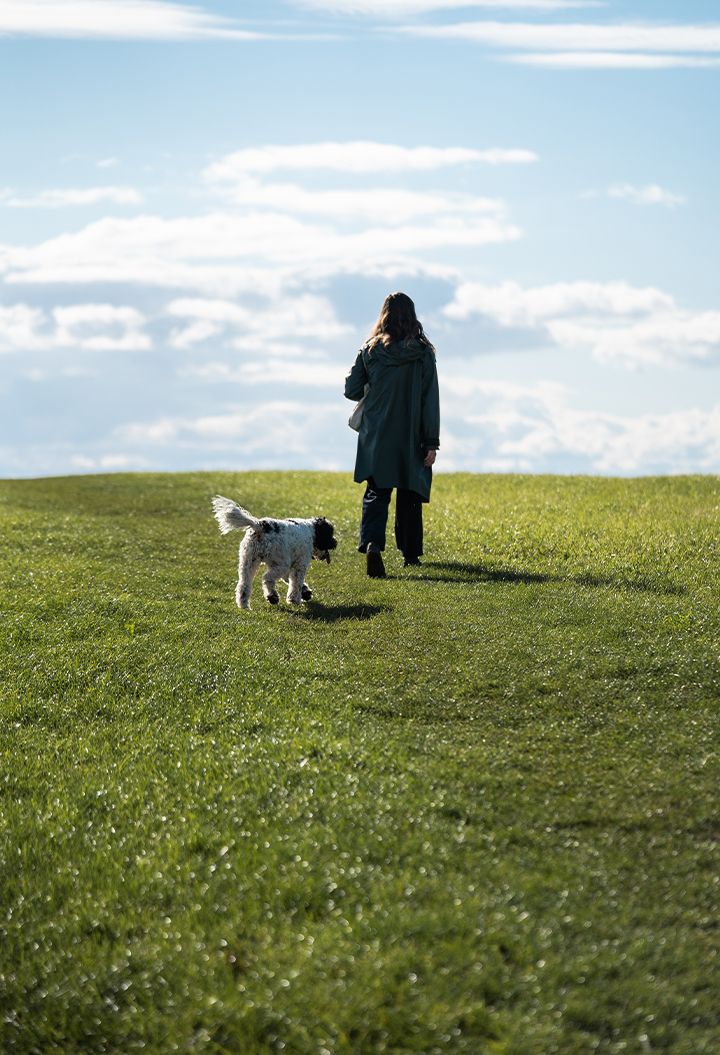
x=270, y=579
x=297, y=590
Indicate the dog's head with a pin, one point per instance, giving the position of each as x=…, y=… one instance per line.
x=323, y=539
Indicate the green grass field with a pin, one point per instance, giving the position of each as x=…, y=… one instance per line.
x=468, y=809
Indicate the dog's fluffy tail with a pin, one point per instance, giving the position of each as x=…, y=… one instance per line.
x=230, y=516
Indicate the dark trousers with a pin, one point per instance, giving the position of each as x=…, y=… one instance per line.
x=408, y=519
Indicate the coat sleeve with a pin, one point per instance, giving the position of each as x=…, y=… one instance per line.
x=357, y=379
x=430, y=416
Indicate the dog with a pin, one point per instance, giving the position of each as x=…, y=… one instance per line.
x=286, y=547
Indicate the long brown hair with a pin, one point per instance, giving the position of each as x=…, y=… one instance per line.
x=397, y=321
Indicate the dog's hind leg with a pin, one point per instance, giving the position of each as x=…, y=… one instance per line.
x=248, y=565
x=270, y=579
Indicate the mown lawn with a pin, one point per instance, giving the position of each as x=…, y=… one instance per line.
x=469, y=809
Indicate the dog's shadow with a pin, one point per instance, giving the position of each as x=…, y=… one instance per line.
x=321, y=613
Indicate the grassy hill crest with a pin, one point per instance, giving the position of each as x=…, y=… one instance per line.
x=469, y=809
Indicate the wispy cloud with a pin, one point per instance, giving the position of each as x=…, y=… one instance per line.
x=650, y=194
x=403, y=8
x=70, y=196
x=587, y=45
x=581, y=36
x=386, y=204
x=611, y=60
x=119, y=19
x=357, y=157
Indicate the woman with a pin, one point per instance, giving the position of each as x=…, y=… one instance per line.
x=399, y=431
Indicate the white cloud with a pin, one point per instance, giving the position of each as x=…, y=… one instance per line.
x=488, y=426
x=611, y=60
x=84, y=327
x=388, y=205
x=651, y=194
x=293, y=317
x=193, y=334
x=672, y=337
x=584, y=45
x=107, y=163
x=22, y=328
x=120, y=19
x=356, y=157
x=494, y=426
x=213, y=280
x=112, y=462
x=282, y=433
x=613, y=321
x=101, y=328
x=402, y=8
x=38, y=375
x=511, y=304
x=70, y=196
x=255, y=348
x=582, y=36
x=187, y=250
x=152, y=272
x=271, y=369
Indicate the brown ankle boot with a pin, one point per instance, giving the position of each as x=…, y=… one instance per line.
x=375, y=566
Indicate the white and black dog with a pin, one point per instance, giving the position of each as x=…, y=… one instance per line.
x=285, y=546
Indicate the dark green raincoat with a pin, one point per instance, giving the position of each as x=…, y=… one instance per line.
x=401, y=418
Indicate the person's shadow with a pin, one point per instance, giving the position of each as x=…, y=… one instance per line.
x=459, y=571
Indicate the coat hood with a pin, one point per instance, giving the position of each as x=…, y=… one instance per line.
x=398, y=353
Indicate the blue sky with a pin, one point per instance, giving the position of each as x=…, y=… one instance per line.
x=203, y=205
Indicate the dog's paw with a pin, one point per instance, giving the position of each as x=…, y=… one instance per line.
x=306, y=593
x=272, y=598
